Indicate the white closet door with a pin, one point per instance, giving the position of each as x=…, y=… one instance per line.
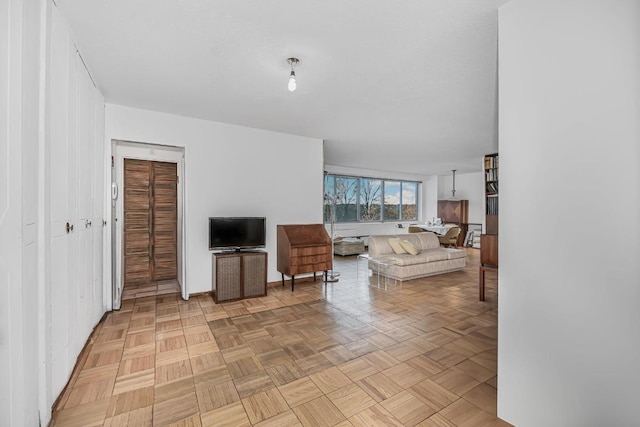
x=74, y=131
x=99, y=190
x=61, y=87
x=85, y=125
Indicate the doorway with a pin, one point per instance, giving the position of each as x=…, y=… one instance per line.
x=147, y=220
x=150, y=223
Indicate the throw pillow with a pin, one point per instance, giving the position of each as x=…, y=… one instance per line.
x=396, y=245
x=408, y=246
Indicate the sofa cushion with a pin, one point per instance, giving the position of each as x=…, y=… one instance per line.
x=427, y=240
x=455, y=253
x=396, y=246
x=409, y=247
x=423, y=257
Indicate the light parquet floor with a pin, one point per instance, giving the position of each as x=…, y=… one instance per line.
x=342, y=354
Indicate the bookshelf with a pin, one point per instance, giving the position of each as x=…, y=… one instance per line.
x=491, y=191
x=489, y=240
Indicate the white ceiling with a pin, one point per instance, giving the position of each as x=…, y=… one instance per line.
x=406, y=86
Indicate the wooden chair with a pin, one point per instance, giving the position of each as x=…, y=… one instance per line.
x=451, y=237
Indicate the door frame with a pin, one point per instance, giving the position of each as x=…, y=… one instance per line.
x=150, y=152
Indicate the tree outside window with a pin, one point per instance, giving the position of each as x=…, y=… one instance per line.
x=409, y=207
x=329, y=191
x=370, y=197
x=359, y=199
x=346, y=191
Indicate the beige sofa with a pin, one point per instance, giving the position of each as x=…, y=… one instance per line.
x=431, y=260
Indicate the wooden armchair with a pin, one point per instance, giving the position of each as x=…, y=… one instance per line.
x=451, y=237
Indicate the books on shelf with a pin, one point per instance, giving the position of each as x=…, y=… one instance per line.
x=492, y=206
x=491, y=174
x=492, y=187
x=491, y=162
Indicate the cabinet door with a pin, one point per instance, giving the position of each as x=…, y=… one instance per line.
x=489, y=249
x=254, y=274
x=453, y=211
x=226, y=276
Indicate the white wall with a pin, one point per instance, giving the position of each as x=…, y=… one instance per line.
x=427, y=201
x=230, y=171
x=20, y=119
x=569, y=279
x=469, y=186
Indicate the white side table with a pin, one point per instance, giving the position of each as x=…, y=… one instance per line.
x=380, y=269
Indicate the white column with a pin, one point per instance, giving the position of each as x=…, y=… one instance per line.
x=569, y=280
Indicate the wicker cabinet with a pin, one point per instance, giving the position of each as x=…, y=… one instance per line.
x=238, y=275
x=303, y=248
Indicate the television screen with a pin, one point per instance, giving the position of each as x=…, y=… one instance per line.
x=236, y=232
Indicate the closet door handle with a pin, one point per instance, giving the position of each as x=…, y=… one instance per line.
x=87, y=223
x=69, y=228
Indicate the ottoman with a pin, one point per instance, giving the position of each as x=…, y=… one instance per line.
x=348, y=246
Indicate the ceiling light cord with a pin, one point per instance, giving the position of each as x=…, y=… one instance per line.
x=453, y=191
x=292, y=85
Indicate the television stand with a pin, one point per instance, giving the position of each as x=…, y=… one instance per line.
x=238, y=275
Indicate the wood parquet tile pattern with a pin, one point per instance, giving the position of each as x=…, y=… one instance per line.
x=344, y=354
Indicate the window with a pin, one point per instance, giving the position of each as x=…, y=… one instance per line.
x=345, y=192
x=370, y=197
x=362, y=199
x=409, y=198
x=391, y=200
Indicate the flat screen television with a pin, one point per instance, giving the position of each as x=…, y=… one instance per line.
x=236, y=233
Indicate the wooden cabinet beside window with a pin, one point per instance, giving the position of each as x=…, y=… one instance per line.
x=455, y=212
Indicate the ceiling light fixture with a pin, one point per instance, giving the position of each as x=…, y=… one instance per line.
x=292, y=77
x=453, y=191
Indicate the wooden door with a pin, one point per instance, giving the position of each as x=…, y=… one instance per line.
x=164, y=203
x=150, y=221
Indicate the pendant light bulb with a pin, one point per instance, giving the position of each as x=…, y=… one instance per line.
x=292, y=77
x=292, y=82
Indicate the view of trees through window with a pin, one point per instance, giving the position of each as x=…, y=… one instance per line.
x=359, y=199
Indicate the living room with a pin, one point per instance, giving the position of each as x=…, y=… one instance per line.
x=565, y=113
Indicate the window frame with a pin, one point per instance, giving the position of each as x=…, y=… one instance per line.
x=359, y=179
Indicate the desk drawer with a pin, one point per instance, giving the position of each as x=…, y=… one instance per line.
x=310, y=250
x=310, y=268
x=305, y=260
